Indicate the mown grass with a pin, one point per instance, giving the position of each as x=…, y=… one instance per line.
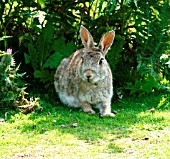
x=137, y=131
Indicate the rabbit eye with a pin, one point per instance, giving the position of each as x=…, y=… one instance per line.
x=101, y=61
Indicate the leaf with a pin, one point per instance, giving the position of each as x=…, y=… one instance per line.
x=27, y=58
x=44, y=75
x=33, y=55
x=44, y=43
x=135, y=2
x=5, y=37
x=42, y=3
x=17, y=68
x=100, y=6
x=40, y=74
x=149, y=84
x=62, y=50
x=53, y=61
x=9, y=96
x=23, y=38
x=60, y=46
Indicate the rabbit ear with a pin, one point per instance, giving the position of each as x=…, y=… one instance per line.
x=86, y=37
x=106, y=42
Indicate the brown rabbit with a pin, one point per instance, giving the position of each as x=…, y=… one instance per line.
x=84, y=79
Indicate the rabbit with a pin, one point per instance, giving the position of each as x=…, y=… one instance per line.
x=84, y=79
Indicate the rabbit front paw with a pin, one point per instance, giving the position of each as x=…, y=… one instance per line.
x=90, y=111
x=109, y=114
x=105, y=110
x=87, y=108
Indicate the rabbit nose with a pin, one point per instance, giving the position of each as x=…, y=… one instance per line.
x=88, y=77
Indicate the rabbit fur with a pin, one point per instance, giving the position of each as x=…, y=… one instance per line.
x=84, y=79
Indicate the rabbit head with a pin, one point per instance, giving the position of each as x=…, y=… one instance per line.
x=94, y=66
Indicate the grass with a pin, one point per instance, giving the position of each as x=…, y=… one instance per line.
x=137, y=131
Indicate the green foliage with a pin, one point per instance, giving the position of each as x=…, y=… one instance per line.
x=44, y=32
x=44, y=43
x=150, y=75
x=46, y=54
x=12, y=89
x=165, y=65
x=144, y=86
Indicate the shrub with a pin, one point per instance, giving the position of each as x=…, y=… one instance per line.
x=43, y=30
x=12, y=88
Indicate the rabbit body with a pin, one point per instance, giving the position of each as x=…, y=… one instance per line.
x=84, y=79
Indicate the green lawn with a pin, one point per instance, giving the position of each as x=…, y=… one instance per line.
x=137, y=131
